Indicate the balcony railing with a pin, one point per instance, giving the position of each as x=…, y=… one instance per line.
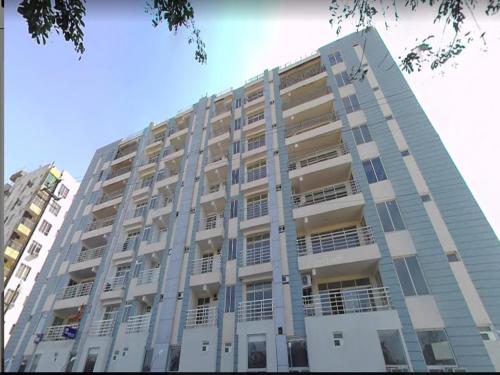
x=211, y=222
x=125, y=151
x=293, y=101
x=28, y=223
x=77, y=290
x=317, y=156
x=55, y=333
x=205, y=265
x=102, y=327
x=131, y=243
x=309, y=124
x=325, y=194
x=202, y=316
x=138, y=323
x=89, y=254
x=164, y=175
x=216, y=158
x=256, y=255
x=337, y=240
x=101, y=223
x=300, y=76
x=148, y=276
x=254, y=118
x=255, y=310
x=16, y=245
x=110, y=196
x=119, y=172
x=222, y=108
x=255, y=95
x=218, y=131
x=116, y=283
x=332, y=302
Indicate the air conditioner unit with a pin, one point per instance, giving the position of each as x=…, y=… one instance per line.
x=306, y=281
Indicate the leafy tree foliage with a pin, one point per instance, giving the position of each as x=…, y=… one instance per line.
x=426, y=51
x=66, y=17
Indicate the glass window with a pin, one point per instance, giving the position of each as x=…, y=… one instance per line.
x=335, y=58
x=237, y=124
x=229, y=307
x=257, y=352
x=173, y=358
x=153, y=201
x=392, y=347
x=453, y=257
x=45, y=227
x=54, y=208
x=257, y=206
x=235, y=176
x=34, y=248
x=146, y=235
x=259, y=290
x=405, y=153
x=410, y=276
x=258, y=249
x=236, y=147
x=342, y=79
x=91, y=360
x=297, y=353
x=425, y=198
x=338, y=338
x=238, y=103
x=256, y=171
x=374, y=170
x=361, y=134
x=63, y=191
x=232, y=249
x=256, y=142
x=351, y=103
x=23, y=271
x=390, y=216
x=436, y=348
x=234, y=208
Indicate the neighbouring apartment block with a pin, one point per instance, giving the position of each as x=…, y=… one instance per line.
x=35, y=205
x=309, y=220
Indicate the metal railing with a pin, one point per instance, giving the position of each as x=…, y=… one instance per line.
x=221, y=108
x=255, y=78
x=125, y=151
x=308, y=96
x=256, y=173
x=77, y=290
x=102, y=327
x=326, y=193
x=336, y=240
x=255, y=95
x=218, y=131
x=89, y=254
x=119, y=172
x=111, y=196
x=16, y=245
x=101, y=223
x=131, y=243
x=255, y=255
x=116, y=283
x=207, y=264
x=347, y=301
x=138, y=323
x=254, y=118
x=211, y=222
x=257, y=209
x=55, y=333
x=202, y=316
x=301, y=75
x=309, y=124
x=317, y=156
x=28, y=223
x=169, y=173
x=216, y=158
x=255, y=310
x=148, y=276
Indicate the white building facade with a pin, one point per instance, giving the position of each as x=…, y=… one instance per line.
x=307, y=221
x=35, y=207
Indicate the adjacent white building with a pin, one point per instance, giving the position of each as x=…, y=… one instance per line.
x=35, y=206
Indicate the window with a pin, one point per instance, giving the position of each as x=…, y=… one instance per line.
x=153, y=202
x=228, y=347
x=258, y=249
x=392, y=347
x=204, y=346
x=237, y=124
x=486, y=333
x=236, y=147
x=361, y=134
x=410, y=276
x=10, y=297
x=34, y=248
x=351, y=103
x=436, y=348
x=342, y=79
x=91, y=360
x=405, y=153
x=257, y=206
x=257, y=352
x=390, y=216
x=173, y=358
x=338, y=339
x=128, y=312
x=232, y=249
x=234, y=208
x=63, y=191
x=45, y=227
x=131, y=241
x=238, y=103
x=140, y=209
x=229, y=307
x=146, y=235
x=54, y=208
x=453, y=257
x=297, y=353
x=23, y=271
x=425, y=198
x=256, y=142
x=374, y=170
x=235, y=176
x=256, y=171
x=335, y=58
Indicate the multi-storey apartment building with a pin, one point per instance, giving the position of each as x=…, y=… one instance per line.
x=34, y=209
x=304, y=221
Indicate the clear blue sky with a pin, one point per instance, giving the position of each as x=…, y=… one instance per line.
x=60, y=109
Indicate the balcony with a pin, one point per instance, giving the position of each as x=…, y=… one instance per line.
x=25, y=227
x=114, y=289
x=221, y=110
x=13, y=249
x=302, y=75
x=166, y=182
x=95, y=234
x=303, y=126
x=173, y=159
x=215, y=196
x=161, y=215
x=307, y=97
x=55, y=333
x=118, y=172
x=108, y=204
x=253, y=97
x=89, y=254
x=117, y=178
x=102, y=328
x=210, y=231
x=339, y=252
x=255, y=310
x=87, y=262
x=202, y=316
x=137, y=324
x=36, y=205
x=73, y=296
x=206, y=274
x=148, y=276
x=334, y=302
x=145, y=285
x=216, y=168
x=255, y=261
x=126, y=151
